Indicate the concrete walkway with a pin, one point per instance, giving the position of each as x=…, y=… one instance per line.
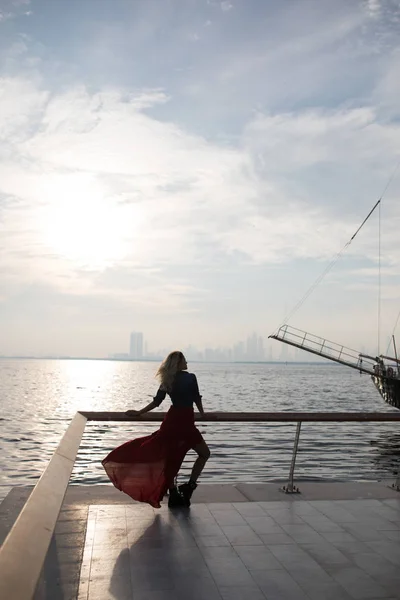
x=333, y=541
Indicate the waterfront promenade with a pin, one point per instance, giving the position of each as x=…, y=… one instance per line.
x=245, y=541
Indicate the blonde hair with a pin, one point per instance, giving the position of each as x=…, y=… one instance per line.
x=169, y=368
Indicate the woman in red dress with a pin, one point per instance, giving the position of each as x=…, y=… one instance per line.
x=145, y=468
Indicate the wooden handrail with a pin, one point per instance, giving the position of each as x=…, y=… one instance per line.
x=253, y=417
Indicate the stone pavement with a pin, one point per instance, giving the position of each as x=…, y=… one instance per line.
x=334, y=541
x=318, y=550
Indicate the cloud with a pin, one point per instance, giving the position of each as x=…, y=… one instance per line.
x=387, y=11
x=13, y=8
x=21, y=106
x=211, y=208
x=314, y=55
x=226, y=6
x=193, y=37
x=387, y=90
x=373, y=8
x=108, y=170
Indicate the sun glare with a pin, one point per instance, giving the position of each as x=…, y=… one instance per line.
x=80, y=224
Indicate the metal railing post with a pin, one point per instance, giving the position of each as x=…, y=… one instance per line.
x=396, y=484
x=290, y=488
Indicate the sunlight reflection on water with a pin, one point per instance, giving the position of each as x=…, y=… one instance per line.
x=39, y=397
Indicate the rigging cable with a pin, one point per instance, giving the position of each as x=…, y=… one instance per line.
x=336, y=258
x=393, y=332
x=328, y=267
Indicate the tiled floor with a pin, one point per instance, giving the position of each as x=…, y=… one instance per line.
x=322, y=550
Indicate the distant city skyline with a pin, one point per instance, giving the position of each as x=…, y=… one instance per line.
x=254, y=348
x=251, y=349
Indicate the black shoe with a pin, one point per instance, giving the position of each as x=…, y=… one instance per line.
x=187, y=489
x=176, y=499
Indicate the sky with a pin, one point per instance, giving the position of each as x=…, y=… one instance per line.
x=188, y=168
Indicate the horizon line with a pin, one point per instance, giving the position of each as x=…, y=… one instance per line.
x=105, y=358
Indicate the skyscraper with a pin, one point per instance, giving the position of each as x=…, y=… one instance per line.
x=252, y=347
x=238, y=352
x=260, y=349
x=136, y=345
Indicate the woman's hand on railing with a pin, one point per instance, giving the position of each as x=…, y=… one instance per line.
x=132, y=413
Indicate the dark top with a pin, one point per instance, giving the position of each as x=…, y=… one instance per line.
x=184, y=391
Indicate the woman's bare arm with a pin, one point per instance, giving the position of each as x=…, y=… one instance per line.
x=158, y=398
x=198, y=400
x=199, y=405
x=143, y=410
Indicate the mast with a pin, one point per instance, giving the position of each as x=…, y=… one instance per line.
x=395, y=349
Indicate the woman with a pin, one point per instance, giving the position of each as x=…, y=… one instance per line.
x=146, y=468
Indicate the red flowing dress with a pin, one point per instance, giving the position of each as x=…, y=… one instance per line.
x=145, y=468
